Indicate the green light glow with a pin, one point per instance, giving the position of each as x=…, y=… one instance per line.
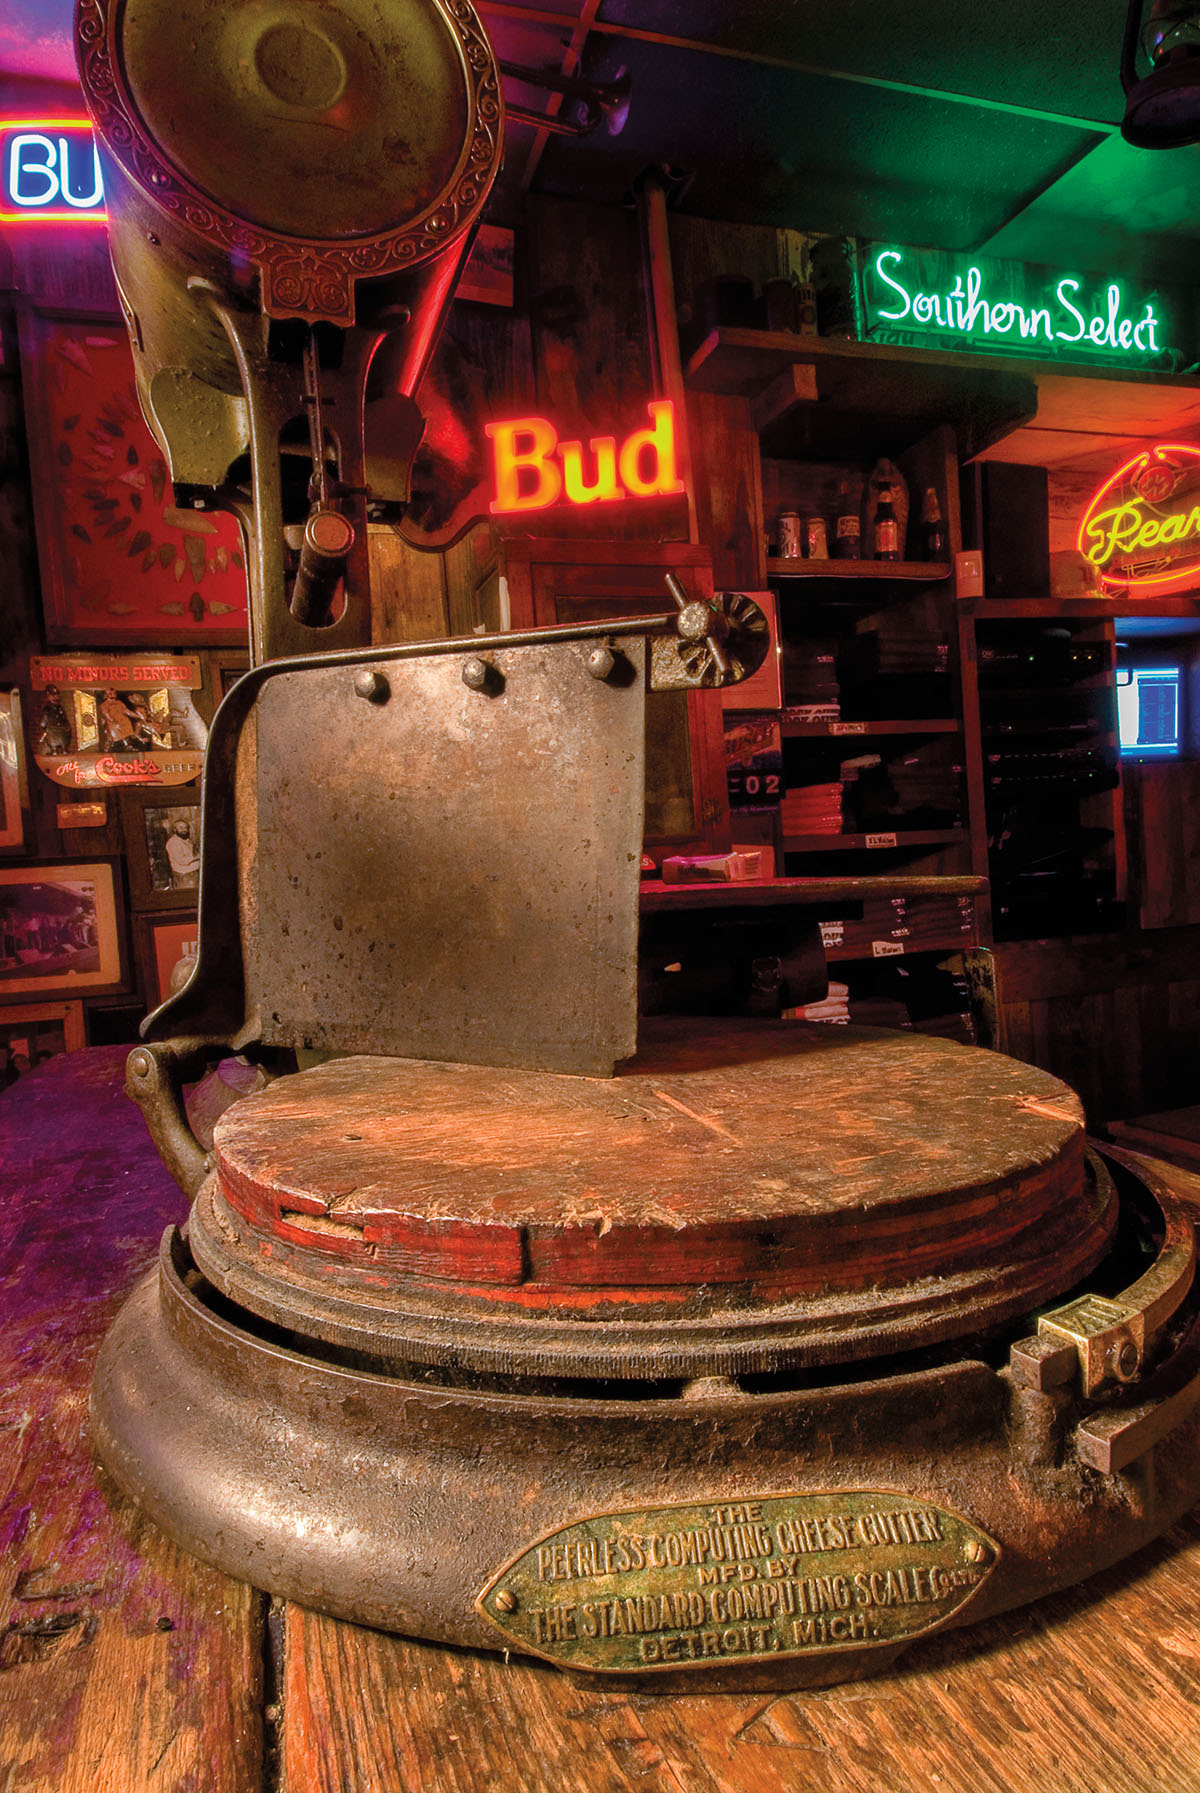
x=1008, y=308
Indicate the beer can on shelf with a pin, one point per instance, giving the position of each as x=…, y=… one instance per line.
x=789, y=535
x=816, y=541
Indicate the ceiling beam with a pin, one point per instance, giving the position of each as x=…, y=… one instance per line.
x=572, y=57
x=603, y=28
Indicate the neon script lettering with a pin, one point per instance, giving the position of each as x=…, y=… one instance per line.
x=51, y=171
x=1133, y=527
x=534, y=469
x=967, y=310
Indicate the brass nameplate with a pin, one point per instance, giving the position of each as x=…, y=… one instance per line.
x=787, y=1575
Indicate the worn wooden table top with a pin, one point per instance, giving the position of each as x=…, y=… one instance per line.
x=125, y=1665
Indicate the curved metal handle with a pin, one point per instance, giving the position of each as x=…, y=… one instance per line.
x=154, y=1078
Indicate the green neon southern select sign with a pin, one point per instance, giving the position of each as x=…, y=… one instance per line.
x=930, y=298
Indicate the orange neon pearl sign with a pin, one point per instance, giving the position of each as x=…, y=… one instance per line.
x=1142, y=527
x=535, y=470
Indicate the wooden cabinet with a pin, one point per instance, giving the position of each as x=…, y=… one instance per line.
x=880, y=823
x=1051, y=779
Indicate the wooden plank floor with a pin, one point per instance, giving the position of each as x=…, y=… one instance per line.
x=125, y=1666
x=123, y=1663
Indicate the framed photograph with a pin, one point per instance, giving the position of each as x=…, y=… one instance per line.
x=166, y=952
x=162, y=847
x=227, y=669
x=31, y=1032
x=60, y=930
x=14, y=776
x=120, y=562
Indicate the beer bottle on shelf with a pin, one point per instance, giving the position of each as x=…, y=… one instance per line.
x=886, y=536
x=847, y=530
x=933, y=527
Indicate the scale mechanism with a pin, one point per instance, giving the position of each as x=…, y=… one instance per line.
x=688, y=1353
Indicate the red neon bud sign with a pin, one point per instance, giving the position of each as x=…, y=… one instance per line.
x=534, y=470
x=1142, y=528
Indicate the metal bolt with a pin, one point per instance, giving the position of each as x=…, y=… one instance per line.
x=976, y=1553
x=600, y=662
x=694, y=622
x=372, y=686
x=140, y=1064
x=475, y=673
x=1126, y=1361
x=506, y=1601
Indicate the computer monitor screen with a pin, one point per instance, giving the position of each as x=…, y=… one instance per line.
x=1148, y=710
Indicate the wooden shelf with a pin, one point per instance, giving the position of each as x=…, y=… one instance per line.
x=922, y=572
x=792, y=891
x=962, y=942
x=866, y=398
x=837, y=731
x=882, y=840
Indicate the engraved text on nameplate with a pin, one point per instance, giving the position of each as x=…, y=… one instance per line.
x=785, y=1575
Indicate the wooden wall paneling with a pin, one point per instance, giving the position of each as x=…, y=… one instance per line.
x=68, y=268
x=1163, y=840
x=1181, y=1046
x=593, y=372
x=1070, y=491
x=705, y=249
x=408, y=590
x=1114, y=1052
x=588, y=318
x=729, y=495
x=1115, y=1016
x=1034, y=970
x=1187, y=786
x=1167, y=1025
x=1015, y=1030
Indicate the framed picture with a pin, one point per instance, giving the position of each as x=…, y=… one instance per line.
x=162, y=847
x=166, y=951
x=32, y=1032
x=227, y=669
x=60, y=931
x=120, y=562
x=14, y=777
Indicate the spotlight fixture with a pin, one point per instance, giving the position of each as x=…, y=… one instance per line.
x=1162, y=108
x=587, y=103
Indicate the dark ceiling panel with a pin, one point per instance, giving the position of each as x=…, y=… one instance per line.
x=771, y=146
x=1120, y=210
x=1058, y=56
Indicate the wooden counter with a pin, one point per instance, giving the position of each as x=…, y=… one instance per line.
x=125, y=1665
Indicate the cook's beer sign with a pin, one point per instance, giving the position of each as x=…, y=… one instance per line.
x=1141, y=530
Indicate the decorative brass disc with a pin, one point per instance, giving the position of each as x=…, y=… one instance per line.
x=311, y=121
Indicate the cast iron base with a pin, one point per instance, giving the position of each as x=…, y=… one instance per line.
x=791, y=1533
